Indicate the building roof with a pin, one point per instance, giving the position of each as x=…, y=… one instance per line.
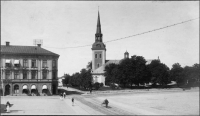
x=102, y=68
x=149, y=61
x=23, y=50
x=63, y=77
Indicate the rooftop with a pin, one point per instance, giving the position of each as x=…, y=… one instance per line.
x=23, y=50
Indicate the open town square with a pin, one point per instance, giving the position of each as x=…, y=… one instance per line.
x=99, y=57
x=124, y=102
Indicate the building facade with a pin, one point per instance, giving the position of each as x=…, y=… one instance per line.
x=98, y=54
x=28, y=70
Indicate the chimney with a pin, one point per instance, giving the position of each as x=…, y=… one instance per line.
x=7, y=43
x=39, y=45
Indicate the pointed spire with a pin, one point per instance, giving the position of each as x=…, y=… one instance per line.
x=98, y=25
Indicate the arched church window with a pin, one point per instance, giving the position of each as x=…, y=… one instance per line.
x=95, y=55
x=99, y=55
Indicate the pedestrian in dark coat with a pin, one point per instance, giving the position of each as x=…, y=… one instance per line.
x=8, y=105
x=64, y=95
x=61, y=96
x=72, y=101
x=106, y=102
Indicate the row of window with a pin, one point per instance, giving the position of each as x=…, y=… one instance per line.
x=25, y=75
x=96, y=55
x=33, y=63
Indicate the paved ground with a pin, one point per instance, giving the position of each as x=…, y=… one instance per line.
x=49, y=105
x=168, y=103
x=135, y=102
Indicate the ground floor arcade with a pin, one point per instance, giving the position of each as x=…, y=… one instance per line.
x=31, y=89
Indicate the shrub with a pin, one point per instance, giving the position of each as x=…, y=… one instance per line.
x=114, y=85
x=101, y=84
x=96, y=85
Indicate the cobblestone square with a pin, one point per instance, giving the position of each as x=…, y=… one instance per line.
x=130, y=102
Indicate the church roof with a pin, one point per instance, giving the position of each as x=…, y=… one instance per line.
x=102, y=68
x=149, y=61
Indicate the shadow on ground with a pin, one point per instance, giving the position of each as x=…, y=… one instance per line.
x=69, y=92
x=3, y=108
x=107, y=106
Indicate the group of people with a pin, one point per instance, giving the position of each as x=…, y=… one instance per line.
x=62, y=95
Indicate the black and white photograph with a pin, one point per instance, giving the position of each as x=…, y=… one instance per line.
x=99, y=57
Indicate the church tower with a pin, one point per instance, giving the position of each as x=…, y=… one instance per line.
x=98, y=48
x=126, y=55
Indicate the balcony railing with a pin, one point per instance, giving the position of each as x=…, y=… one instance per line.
x=28, y=80
x=31, y=80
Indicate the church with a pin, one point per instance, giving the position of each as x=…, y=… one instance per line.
x=99, y=61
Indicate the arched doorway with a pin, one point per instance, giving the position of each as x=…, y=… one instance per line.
x=33, y=90
x=16, y=89
x=25, y=89
x=54, y=88
x=44, y=90
x=7, y=89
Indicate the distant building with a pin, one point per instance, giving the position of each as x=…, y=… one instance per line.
x=28, y=70
x=99, y=61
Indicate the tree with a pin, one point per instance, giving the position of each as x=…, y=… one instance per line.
x=96, y=85
x=137, y=68
x=67, y=78
x=110, y=73
x=75, y=79
x=89, y=66
x=176, y=73
x=124, y=73
x=159, y=72
x=195, y=72
x=86, y=78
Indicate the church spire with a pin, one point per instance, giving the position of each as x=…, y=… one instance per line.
x=98, y=35
x=98, y=25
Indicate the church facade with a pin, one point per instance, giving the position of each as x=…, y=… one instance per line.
x=99, y=61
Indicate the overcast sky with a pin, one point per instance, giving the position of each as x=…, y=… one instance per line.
x=63, y=24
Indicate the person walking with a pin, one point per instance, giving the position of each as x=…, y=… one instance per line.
x=72, y=101
x=61, y=96
x=64, y=95
x=106, y=102
x=8, y=105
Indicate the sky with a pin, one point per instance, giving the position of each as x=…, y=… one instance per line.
x=64, y=24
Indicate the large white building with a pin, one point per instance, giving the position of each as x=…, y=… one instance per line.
x=28, y=70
